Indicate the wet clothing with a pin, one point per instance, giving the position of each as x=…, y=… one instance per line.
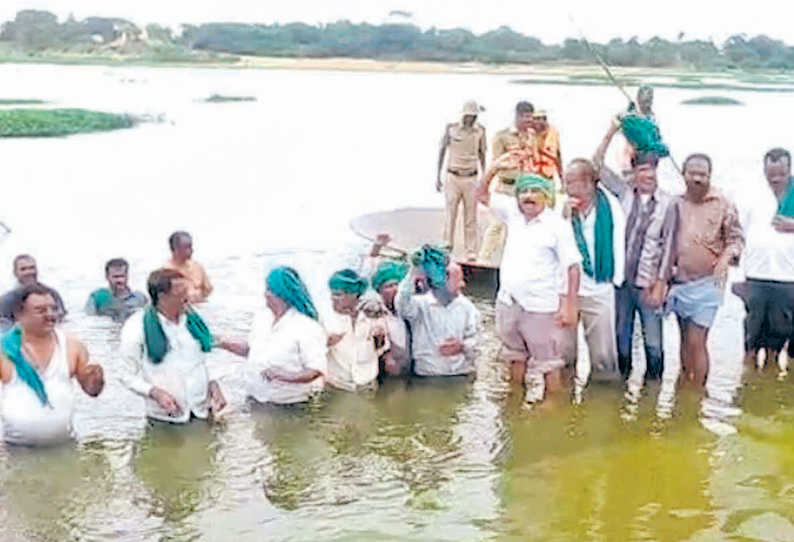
x=102, y=302
x=293, y=346
x=25, y=419
x=697, y=300
x=433, y=323
x=629, y=302
x=182, y=372
x=353, y=361
x=770, y=313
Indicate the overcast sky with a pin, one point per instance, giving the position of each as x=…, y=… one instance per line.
x=552, y=21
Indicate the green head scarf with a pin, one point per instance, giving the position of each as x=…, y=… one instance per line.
x=531, y=181
x=389, y=271
x=434, y=262
x=285, y=283
x=347, y=281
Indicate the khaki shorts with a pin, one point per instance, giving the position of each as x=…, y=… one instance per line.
x=533, y=335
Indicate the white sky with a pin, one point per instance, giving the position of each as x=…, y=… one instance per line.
x=550, y=20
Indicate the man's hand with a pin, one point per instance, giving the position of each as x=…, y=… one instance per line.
x=439, y=184
x=509, y=160
x=166, y=401
x=654, y=296
x=451, y=347
x=383, y=239
x=93, y=379
x=334, y=338
x=217, y=400
x=721, y=265
x=783, y=224
x=575, y=203
x=567, y=314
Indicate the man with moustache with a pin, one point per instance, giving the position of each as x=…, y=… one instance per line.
x=704, y=238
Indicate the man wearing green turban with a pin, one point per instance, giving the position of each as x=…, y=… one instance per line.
x=353, y=358
x=531, y=313
x=385, y=281
x=286, y=349
x=445, y=324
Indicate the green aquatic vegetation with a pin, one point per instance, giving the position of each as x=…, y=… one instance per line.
x=59, y=122
x=220, y=98
x=21, y=101
x=712, y=100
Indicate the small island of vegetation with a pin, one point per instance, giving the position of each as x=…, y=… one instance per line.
x=712, y=100
x=220, y=98
x=18, y=122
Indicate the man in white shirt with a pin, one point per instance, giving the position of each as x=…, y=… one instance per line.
x=164, y=350
x=769, y=262
x=445, y=324
x=352, y=356
x=530, y=313
x=599, y=228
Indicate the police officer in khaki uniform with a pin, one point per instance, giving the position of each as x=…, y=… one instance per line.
x=519, y=137
x=464, y=146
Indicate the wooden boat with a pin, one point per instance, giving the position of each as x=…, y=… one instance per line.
x=410, y=228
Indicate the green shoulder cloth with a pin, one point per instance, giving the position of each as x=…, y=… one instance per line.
x=11, y=344
x=157, y=343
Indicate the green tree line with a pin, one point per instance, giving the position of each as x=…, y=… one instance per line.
x=40, y=31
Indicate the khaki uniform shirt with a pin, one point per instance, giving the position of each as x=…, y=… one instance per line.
x=465, y=146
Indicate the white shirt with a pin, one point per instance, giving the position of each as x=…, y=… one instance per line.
x=25, y=420
x=353, y=361
x=769, y=254
x=588, y=287
x=293, y=346
x=433, y=323
x=182, y=372
x=537, y=254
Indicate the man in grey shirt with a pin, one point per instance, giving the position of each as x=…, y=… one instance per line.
x=645, y=206
x=27, y=274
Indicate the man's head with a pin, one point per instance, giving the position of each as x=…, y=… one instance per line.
x=534, y=193
x=580, y=180
x=697, y=175
x=524, y=112
x=346, y=287
x=645, y=99
x=644, y=165
x=540, y=121
x=168, y=290
x=387, y=279
x=777, y=169
x=117, y=275
x=35, y=309
x=181, y=244
x=25, y=270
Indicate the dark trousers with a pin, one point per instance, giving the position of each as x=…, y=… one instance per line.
x=627, y=304
x=770, y=313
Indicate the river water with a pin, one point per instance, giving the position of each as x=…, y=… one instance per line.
x=277, y=181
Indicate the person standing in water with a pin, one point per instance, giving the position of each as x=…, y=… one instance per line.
x=705, y=238
x=287, y=346
x=164, y=348
x=464, y=145
x=353, y=359
x=445, y=324
x=37, y=363
x=117, y=300
x=199, y=286
x=531, y=314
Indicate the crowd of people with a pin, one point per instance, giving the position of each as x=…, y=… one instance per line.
x=581, y=244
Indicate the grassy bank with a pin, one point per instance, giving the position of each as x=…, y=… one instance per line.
x=712, y=100
x=220, y=98
x=58, y=122
x=20, y=101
